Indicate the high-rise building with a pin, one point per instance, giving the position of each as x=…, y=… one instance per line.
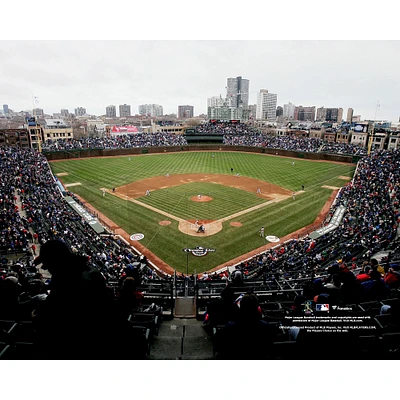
x=124, y=110
x=226, y=113
x=340, y=115
x=252, y=111
x=288, y=110
x=152, y=110
x=5, y=109
x=215, y=101
x=266, y=105
x=80, y=111
x=111, y=112
x=279, y=111
x=349, y=118
x=329, y=114
x=304, y=113
x=38, y=112
x=185, y=112
x=237, y=91
x=321, y=114
x=64, y=113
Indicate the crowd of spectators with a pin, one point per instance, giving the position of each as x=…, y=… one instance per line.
x=369, y=225
x=293, y=143
x=340, y=269
x=343, y=148
x=275, y=142
x=226, y=128
x=14, y=229
x=115, y=142
x=43, y=215
x=337, y=268
x=238, y=134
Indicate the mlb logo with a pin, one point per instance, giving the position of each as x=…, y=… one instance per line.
x=322, y=307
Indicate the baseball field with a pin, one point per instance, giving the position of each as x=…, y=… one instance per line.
x=232, y=194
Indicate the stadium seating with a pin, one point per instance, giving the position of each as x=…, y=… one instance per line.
x=277, y=276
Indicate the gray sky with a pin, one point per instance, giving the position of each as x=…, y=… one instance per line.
x=95, y=74
x=67, y=72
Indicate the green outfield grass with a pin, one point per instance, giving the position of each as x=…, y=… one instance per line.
x=167, y=242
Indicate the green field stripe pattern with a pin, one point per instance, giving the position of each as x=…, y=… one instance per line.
x=225, y=200
x=167, y=242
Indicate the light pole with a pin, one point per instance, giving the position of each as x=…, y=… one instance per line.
x=373, y=128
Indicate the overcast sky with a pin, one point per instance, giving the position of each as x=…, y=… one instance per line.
x=95, y=74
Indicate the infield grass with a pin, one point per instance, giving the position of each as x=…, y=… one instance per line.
x=225, y=200
x=167, y=242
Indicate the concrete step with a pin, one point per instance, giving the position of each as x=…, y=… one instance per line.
x=181, y=339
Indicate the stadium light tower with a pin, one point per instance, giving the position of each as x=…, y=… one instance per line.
x=373, y=128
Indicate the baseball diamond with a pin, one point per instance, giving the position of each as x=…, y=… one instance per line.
x=201, y=188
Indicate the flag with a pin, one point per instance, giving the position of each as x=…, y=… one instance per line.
x=35, y=99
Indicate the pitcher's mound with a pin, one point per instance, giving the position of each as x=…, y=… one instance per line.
x=164, y=223
x=235, y=224
x=201, y=199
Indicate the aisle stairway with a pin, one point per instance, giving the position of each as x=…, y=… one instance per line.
x=22, y=213
x=183, y=337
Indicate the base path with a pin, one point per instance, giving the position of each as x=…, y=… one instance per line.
x=272, y=193
x=188, y=227
x=169, y=270
x=138, y=188
x=302, y=232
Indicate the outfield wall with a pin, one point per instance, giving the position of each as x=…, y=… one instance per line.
x=84, y=153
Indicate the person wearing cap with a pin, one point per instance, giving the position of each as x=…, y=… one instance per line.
x=70, y=322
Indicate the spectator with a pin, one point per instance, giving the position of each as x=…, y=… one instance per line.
x=222, y=310
x=375, y=288
x=365, y=274
x=249, y=338
x=129, y=298
x=392, y=279
x=71, y=321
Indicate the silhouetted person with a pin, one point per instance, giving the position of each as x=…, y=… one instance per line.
x=248, y=338
x=72, y=322
x=129, y=298
x=9, y=292
x=375, y=288
x=237, y=277
x=223, y=310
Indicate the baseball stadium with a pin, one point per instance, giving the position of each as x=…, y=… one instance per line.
x=184, y=246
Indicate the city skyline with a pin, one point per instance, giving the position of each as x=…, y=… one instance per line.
x=305, y=73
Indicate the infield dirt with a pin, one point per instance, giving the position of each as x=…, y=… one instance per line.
x=268, y=191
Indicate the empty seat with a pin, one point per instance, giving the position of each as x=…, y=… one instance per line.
x=148, y=320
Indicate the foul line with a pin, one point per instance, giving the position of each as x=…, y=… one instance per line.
x=258, y=206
